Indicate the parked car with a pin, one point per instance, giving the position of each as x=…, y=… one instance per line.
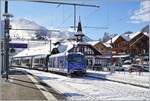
x=127, y=64
x=118, y=67
x=146, y=63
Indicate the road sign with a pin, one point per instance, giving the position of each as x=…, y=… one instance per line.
x=18, y=45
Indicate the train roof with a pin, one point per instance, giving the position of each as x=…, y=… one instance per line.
x=65, y=53
x=35, y=56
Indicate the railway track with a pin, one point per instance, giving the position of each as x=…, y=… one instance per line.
x=103, y=78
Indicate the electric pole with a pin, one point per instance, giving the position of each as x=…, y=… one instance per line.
x=74, y=17
x=6, y=39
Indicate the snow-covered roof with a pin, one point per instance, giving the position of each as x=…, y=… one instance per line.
x=130, y=36
x=126, y=36
x=93, y=42
x=145, y=33
x=113, y=39
x=41, y=50
x=107, y=45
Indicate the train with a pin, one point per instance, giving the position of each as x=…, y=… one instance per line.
x=66, y=63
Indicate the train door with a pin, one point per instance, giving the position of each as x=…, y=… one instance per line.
x=61, y=64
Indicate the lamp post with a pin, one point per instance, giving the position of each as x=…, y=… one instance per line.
x=6, y=38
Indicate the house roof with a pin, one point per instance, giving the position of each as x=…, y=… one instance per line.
x=113, y=39
x=145, y=33
x=130, y=36
x=107, y=45
x=36, y=48
x=126, y=36
x=41, y=50
x=93, y=42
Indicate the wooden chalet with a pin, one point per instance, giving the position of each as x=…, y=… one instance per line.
x=119, y=45
x=133, y=43
x=104, y=48
x=139, y=44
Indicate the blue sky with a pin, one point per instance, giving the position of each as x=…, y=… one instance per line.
x=114, y=14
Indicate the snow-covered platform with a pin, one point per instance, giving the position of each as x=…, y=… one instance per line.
x=134, y=78
x=88, y=88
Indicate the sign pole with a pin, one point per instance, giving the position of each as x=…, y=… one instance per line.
x=6, y=38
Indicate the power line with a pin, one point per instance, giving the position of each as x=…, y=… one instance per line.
x=28, y=29
x=92, y=27
x=53, y=2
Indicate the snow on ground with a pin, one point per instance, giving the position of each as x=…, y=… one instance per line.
x=127, y=77
x=91, y=89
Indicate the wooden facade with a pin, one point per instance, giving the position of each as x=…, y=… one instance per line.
x=119, y=45
x=139, y=45
x=102, y=48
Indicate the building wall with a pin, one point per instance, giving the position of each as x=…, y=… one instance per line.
x=119, y=46
x=139, y=45
x=100, y=47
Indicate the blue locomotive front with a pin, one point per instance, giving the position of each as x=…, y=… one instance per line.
x=76, y=63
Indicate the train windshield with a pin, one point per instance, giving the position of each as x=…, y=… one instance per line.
x=75, y=59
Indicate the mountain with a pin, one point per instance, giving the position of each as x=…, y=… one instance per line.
x=145, y=29
x=107, y=36
x=40, y=33
x=26, y=33
x=128, y=32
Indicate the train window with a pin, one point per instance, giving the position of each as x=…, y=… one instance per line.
x=74, y=59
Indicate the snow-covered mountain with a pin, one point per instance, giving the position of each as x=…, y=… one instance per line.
x=145, y=29
x=40, y=32
x=25, y=33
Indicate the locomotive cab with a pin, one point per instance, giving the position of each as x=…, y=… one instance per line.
x=76, y=64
